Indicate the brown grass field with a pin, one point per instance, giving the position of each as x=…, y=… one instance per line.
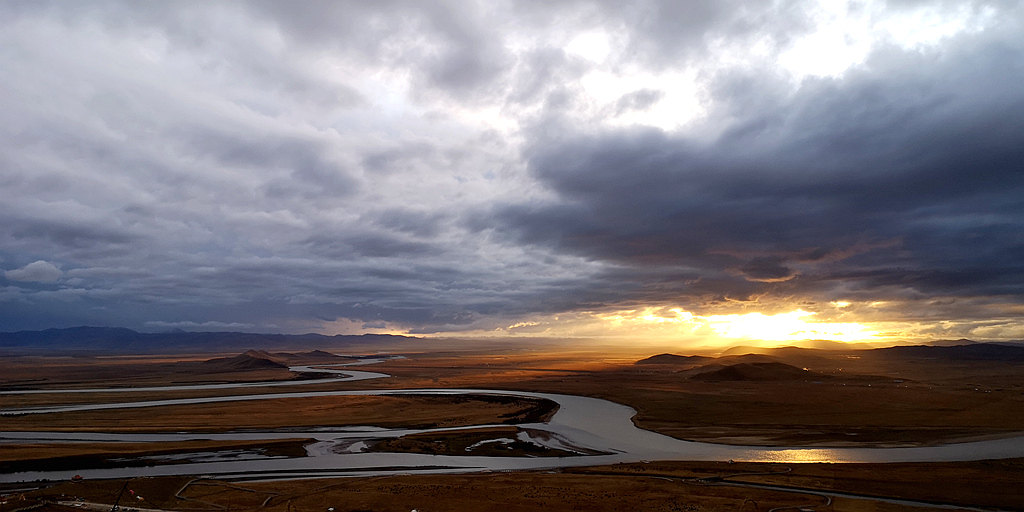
x=669, y=486
x=381, y=411
x=57, y=456
x=56, y=450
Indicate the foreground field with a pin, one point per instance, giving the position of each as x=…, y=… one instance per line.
x=675, y=486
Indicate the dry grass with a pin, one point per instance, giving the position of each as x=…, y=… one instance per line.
x=670, y=486
x=63, y=456
x=37, y=372
x=992, y=484
x=381, y=411
x=35, y=451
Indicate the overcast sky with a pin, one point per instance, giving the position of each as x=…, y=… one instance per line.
x=512, y=167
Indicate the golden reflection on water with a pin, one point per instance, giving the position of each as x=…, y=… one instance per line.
x=808, y=455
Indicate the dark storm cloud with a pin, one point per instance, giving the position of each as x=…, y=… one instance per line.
x=766, y=268
x=905, y=175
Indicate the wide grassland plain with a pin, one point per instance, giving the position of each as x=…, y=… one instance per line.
x=842, y=398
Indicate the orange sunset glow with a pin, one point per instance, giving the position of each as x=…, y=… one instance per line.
x=790, y=326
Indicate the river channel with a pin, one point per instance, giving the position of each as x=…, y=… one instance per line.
x=600, y=431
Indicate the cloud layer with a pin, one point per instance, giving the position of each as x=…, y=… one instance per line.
x=436, y=167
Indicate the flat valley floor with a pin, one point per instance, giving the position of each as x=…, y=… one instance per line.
x=781, y=397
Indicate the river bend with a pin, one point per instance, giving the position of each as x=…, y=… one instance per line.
x=581, y=424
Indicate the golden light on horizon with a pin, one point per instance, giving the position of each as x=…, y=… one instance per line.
x=792, y=326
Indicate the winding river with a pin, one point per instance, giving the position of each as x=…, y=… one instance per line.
x=601, y=432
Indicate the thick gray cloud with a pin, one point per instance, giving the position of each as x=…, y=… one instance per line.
x=451, y=166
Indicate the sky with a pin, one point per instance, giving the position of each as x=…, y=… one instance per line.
x=639, y=170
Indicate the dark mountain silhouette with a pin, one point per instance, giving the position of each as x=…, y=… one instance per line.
x=105, y=336
x=739, y=350
x=262, y=354
x=318, y=354
x=121, y=340
x=951, y=343
x=969, y=352
x=755, y=372
x=296, y=357
x=242, y=362
x=806, y=345
x=673, y=359
x=746, y=358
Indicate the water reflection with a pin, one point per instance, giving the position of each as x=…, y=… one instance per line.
x=796, y=455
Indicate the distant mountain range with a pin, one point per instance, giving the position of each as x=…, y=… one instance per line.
x=963, y=350
x=242, y=362
x=673, y=359
x=968, y=352
x=772, y=371
x=121, y=340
